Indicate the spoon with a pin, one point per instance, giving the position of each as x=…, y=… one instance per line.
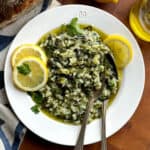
x=80, y=140
x=95, y=95
x=104, y=106
x=103, y=128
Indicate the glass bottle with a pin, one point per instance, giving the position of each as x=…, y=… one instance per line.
x=139, y=19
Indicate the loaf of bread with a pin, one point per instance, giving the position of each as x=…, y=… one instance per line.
x=11, y=10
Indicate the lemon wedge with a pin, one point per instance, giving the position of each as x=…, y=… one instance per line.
x=30, y=74
x=26, y=50
x=121, y=49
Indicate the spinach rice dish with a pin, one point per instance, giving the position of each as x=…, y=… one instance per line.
x=77, y=61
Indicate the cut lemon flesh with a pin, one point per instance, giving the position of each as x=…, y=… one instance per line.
x=37, y=77
x=26, y=50
x=121, y=49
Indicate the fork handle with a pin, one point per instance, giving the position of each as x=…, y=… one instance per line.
x=80, y=140
x=103, y=132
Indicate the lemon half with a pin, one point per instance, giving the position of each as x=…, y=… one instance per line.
x=26, y=50
x=35, y=79
x=121, y=49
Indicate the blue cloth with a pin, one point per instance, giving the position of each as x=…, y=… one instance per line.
x=11, y=130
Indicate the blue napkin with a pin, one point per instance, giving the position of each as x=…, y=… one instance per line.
x=11, y=130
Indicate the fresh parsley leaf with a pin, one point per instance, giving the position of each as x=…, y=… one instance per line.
x=73, y=28
x=36, y=96
x=24, y=69
x=35, y=109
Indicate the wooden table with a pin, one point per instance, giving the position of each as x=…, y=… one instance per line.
x=135, y=135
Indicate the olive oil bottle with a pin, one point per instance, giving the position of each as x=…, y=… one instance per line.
x=139, y=19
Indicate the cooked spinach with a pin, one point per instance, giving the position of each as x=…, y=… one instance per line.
x=76, y=61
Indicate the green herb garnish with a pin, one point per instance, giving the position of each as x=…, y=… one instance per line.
x=24, y=69
x=35, y=109
x=73, y=28
x=36, y=96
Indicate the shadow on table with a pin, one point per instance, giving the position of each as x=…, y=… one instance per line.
x=32, y=139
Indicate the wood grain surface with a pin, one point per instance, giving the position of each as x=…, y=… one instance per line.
x=135, y=135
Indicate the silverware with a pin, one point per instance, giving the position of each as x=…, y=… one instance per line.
x=95, y=95
x=80, y=141
x=103, y=128
x=104, y=107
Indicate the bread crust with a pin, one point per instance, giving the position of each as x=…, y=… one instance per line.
x=19, y=10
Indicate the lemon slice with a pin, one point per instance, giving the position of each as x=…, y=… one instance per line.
x=26, y=50
x=121, y=49
x=30, y=74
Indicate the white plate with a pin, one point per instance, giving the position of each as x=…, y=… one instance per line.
x=124, y=104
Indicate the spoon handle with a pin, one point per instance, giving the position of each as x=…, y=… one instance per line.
x=103, y=132
x=80, y=141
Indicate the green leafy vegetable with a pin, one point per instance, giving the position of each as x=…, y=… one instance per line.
x=73, y=28
x=35, y=109
x=77, y=61
x=36, y=96
x=24, y=69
